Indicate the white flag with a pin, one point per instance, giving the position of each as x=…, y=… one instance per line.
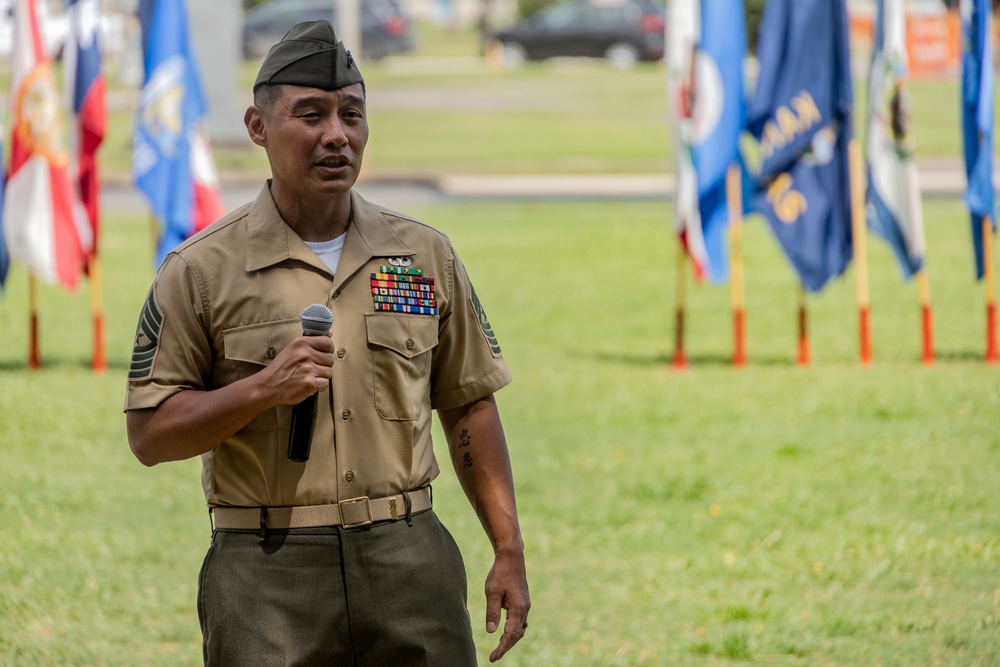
x=894, y=208
x=682, y=40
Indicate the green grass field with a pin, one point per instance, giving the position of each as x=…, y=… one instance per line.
x=829, y=515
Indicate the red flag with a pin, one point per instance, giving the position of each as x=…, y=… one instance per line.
x=207, y=195
x=85, y=92
x=39, y=223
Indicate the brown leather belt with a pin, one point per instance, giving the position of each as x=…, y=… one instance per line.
x=350, y=513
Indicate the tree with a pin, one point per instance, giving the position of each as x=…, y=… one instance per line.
x=528, y=8
x=754, y=12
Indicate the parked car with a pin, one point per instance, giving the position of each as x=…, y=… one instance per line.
x=385, y=28
x=623, y=32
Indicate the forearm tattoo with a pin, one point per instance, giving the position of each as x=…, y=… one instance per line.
x=464, y=440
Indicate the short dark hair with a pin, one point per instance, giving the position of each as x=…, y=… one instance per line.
x=266, y=94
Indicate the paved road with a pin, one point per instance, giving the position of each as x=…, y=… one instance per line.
x=939, y=179
x=121, y=197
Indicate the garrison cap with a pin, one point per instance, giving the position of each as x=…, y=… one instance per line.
x=309, y=55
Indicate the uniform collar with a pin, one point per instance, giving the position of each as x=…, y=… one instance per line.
x=271, y=241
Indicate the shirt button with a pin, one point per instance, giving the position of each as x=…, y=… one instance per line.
x=409, y=343
x=271, y=354
x=349, y=475
x=346, y=414
x=341, y=352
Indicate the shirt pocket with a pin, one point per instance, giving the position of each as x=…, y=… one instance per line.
x=401, y=362
x=249, y=349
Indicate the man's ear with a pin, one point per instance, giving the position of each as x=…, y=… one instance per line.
x=254, y=120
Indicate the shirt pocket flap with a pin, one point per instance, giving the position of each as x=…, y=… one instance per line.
x=259, y=343
x=407, y=335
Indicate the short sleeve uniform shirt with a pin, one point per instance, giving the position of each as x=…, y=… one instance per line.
x=409, y=334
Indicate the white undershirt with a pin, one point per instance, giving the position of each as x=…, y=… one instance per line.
x=329, y=251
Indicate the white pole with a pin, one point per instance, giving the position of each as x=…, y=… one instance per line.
x=348, y=14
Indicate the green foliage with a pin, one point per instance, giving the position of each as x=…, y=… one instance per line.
x=528, y=8
x=754, y=12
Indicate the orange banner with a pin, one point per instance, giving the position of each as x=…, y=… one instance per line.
x=933, y=40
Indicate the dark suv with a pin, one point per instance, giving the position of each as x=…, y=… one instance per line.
x=623, y=32
x=385, y=29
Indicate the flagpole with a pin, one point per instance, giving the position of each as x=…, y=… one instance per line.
x=803, y=359
x=154, y=235
x=98, y=362
x=680, y=296
x=34, y=359
x=990, y=292
x=926, y=316
x=860, y=241
x=734, y=198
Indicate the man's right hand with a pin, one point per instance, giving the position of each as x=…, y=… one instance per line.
x=192, y=422
x=302, y=368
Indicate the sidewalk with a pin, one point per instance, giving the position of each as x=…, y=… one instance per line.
x=937, y=179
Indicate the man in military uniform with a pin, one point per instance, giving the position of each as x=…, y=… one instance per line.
x=338, y=560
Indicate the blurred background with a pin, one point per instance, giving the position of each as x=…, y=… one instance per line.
x=481, y=55
x=828, y=514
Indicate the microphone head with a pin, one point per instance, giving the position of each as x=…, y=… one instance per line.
x=317, y=319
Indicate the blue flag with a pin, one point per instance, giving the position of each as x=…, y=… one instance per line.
x=801, y=113
x=977, y=118
x=170, y=105
x=718, y=118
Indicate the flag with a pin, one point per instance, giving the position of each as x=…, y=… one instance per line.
x=170, y=160
x=977, y=118
x=85, y=92
x=801, y=114
x=39, y=212
x=893, y=198
x=718, y=118
x=682, y=40
x=4, y=257
x=207, y=192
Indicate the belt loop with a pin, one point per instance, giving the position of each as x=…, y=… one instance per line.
x=409, y=508
x=262, y=536
x=211, y=521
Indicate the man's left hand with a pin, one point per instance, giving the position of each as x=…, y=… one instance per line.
x=507, y=588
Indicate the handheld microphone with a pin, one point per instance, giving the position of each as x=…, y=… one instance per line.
x=317, y=320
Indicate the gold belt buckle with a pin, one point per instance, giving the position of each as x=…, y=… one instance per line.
x=354, y=501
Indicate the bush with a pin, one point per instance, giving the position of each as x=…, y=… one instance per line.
x=528, y=8
x=754, y=12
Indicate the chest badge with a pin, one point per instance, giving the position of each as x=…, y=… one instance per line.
x=400, y=261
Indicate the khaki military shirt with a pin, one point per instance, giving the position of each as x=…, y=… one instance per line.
x=226, y=302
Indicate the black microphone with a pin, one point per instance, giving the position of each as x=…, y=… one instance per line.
x=317, y=320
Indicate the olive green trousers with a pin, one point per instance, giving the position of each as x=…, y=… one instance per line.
x=387, y=595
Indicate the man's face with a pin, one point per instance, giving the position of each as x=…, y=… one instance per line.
x=314, y=138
